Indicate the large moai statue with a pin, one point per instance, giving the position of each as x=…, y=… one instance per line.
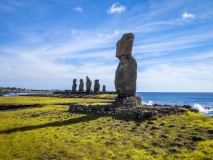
x=126, y=73
x=104, y=89
x=81, y=86
x=74, y=86
x=96, y=86
x=88, y=84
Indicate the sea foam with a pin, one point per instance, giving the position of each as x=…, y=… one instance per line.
x=149, y=103
x=202, y=109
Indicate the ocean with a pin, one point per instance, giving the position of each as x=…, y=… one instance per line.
x=198, y=100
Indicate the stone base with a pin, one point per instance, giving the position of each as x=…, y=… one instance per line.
x=125, y=101
x=129, y=113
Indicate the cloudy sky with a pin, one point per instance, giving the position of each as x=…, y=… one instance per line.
x=45, y=44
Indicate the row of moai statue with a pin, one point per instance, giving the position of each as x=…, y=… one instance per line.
x=88, y=86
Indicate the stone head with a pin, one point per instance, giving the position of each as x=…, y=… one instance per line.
x=87, y=78
x=81, y=80
x=96, y=81
x=124, y=45
x=74, y=81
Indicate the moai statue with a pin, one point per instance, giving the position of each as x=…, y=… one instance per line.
x=81, y=86
x=88, y=84
x=96, y=86
x=74, y=86
x=104, y=88
x=126, y=73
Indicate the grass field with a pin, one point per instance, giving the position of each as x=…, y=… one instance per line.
x=51, y=132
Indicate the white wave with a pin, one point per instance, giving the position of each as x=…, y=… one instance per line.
x=149, y=103
x=201, y=108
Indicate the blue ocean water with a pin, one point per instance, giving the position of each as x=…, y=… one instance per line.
x=204, y=99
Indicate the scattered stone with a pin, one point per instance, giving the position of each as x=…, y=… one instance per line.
x=34, y=115
x=151, y=122
x=155, y=127
x=109, y=143
x=210, y=131
x=164, y=136
x=74, y=86
x=174, y=150
x=148, y=114
x=157, y=144
x=178, y=144
x=190, y=108
x=138, y=146
x=172, y=125
x=99, y=128
x=88, y=84
x=193, y=148
x=162, y=124
x=134, y=129
x=196, y=138
x=154, y=152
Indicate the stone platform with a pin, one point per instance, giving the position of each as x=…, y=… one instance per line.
x=134, y=113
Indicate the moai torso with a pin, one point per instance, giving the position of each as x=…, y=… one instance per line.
x=81, y=86
x=88, y=84
x=96, y=86
x=104, y=88
x=74, y=86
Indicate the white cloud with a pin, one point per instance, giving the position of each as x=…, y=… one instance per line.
x=76, y=31
x=78, y=9
x=178, y=78
x=116, y=9
x=110, y=35
x=187, y=15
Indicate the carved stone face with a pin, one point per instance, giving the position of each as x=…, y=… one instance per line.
x=124, y=45
x=81, y=80
x=87, y=78
x=96, y=81
x=74, y=81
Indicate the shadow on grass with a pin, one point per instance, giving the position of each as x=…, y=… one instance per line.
x=86, y=118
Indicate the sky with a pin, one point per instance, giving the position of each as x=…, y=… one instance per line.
x=45, y=44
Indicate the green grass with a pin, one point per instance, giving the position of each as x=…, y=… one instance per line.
x=49, y=100
x=51, y=132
